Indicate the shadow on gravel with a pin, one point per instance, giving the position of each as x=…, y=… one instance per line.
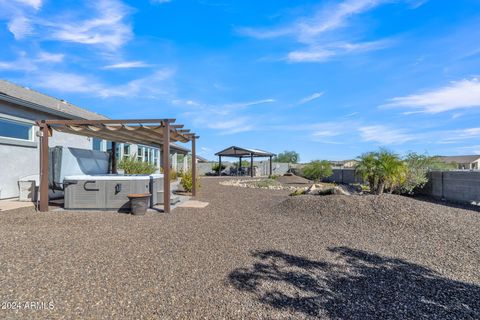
x=360, y=285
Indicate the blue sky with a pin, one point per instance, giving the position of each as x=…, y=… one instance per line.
x=329, y=79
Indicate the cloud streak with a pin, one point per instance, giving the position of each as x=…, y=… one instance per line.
x=313, y=96
x=127, y=65
x=461, y=94
x=148, y=87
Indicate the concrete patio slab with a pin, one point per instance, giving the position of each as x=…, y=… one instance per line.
x=12, y=204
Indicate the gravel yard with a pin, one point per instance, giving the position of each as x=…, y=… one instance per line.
x=251, y=253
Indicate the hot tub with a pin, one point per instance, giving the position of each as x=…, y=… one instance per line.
x=109, y=191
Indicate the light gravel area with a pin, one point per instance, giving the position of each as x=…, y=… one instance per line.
x=250, y=254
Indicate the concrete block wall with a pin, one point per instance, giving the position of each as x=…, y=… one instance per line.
x=344, y=176
x=457, y=186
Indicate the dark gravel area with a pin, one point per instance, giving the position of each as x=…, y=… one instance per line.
x=250, y=254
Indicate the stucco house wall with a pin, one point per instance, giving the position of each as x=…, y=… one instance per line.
x=21, y=158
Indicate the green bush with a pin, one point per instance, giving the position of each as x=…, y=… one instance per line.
x=187, y=181
x=418, y=166
x=317, y=170
x=216, y=166
x=130, y=165
x=287, y=157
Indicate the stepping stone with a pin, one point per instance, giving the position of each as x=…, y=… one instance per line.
x=193, y=204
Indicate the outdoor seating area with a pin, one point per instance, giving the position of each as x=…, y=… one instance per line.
x=242, y=153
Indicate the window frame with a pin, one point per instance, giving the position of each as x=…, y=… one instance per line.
x=31, y=142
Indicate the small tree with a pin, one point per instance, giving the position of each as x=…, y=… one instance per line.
x=317, y=170
x=287, y=157
x=417, y=166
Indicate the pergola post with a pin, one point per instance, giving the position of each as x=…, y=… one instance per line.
x=45, y=132
x=166, y=167
x=239, y=165
x=194, y=167
x=219, y=165
x=114, y=157
x=270, y=167
x=251, y=165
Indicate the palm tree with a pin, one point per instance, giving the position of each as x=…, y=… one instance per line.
x=391, y=171
x=367, y=169
x=381, y=169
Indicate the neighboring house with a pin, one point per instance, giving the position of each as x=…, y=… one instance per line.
x=344, y=163
x=19, y=152
x=463, y=162
x=201, y=159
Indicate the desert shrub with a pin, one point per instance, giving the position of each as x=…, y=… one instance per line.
x=418, y=166
x=187, y=181
x=317, y=170
x=216, y=166
x=130, y=165
x=173, y=174
x=264, y=183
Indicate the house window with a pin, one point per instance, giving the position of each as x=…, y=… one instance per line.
x=16, y=129
x=126, y=150
x=97, y=144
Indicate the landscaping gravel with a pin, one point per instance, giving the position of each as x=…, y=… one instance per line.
x=250, y=254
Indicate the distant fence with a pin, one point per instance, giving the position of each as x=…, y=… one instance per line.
x=458, y=186
x=344, y=176
x=262, y=167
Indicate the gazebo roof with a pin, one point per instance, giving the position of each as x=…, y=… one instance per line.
x=235, y=151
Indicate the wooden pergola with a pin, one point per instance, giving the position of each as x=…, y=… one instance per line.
x=238, y=152
x=151, y=132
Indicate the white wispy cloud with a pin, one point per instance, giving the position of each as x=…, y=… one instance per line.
x=18, y=15
x=328, y=18
x=318, y=33
x=20, y=26
x=106, y=26
x=237, y=125
x=148, y=87
x=226, y=118
x=21, y=63
x=36, y=4
x=385, y=135
x=457, y=135
x=311, y=97
x=461, y=94
x=44, y=56
x=160, y=1
x=128, y=65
